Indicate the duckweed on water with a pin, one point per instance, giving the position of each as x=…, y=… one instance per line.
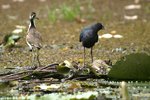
x=135, y=39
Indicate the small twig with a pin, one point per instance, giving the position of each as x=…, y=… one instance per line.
x=45, y=71
x=79, y=78
x=11, y=75
x=17, y=78
x=41, y=68
x=42, y=81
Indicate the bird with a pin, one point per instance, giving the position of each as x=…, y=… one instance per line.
x=33, y=38
x=89, y=36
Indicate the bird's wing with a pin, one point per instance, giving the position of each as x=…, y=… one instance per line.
x=35, y=38
x=85, y=33
x=84, y=30
x=81, y=36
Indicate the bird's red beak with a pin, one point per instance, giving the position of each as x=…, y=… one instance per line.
x=104, y=27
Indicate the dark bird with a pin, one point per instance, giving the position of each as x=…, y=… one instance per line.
x=89, y=36
x=33, y=38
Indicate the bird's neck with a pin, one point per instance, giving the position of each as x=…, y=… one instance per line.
x=96, y=29
x=31, y=25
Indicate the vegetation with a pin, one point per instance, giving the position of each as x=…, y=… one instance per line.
x=60, y=25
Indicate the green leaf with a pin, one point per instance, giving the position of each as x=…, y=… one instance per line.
x=64, y=67
x=10, y=40
x=133, y=66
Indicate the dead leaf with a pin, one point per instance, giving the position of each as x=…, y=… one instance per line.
x=78, y=60
x=17, y=31
x=80, y=20
x=118, y=36
x=74, y=85
x=7, y=6
x=130, y=17
x=66, y=48
x=100, y=66
x=20, y=26
x=106, y=36
x=113, y=32
x=98, y=63
x=130, y=7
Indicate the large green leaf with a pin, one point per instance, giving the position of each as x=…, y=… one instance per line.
x=133, y=66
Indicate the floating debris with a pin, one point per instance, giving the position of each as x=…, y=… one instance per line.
x=119, y=49
x=45, y=87
x=110, y=36
x=101, y=67
x=42, y=0
x=12, y=17
x=7, y=6
x=106, y=36
x=118, y=36
x=55, y=47
x=54, y=86
x=18, y=0
x=130, y=7
x=79, y=20
x=78, y=60
x=136, y=1
x=113, y=32
x=17, y=31
x=74, y=85
x=14, y=92
x=66, y=48
x=130, y=17
x=20, y=26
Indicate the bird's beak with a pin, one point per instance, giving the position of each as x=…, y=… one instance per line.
x=104, y=27
x=37, y=18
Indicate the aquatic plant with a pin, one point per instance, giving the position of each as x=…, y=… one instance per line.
x=67, y=12
x=10, y=40
x=51, y=14
x=132, y=66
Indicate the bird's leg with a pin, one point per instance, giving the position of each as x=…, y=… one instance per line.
x=32, y=58
x=38, y=57
x=84, y=56
x=91, y=54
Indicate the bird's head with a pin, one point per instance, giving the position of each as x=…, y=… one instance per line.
x=33, y=15
x=99, y=26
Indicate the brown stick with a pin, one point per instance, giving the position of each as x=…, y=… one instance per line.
x=40, y=68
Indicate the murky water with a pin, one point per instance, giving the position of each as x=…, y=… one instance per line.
x=61, y=38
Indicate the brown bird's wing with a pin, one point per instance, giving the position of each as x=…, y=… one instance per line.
x=34, y=38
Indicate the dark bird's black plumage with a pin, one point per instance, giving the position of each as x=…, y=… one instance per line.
x=89, y=36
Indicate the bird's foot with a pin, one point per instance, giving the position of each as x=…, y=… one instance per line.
x=30, y=50
x=32, y=68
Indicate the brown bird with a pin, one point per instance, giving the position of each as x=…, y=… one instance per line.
x=33, y=38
